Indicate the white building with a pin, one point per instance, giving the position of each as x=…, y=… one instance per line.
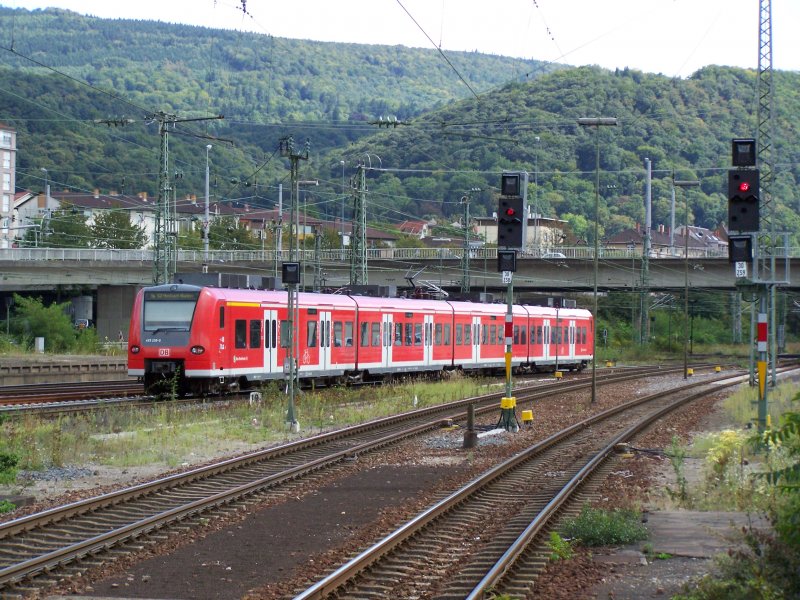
x=8, y=163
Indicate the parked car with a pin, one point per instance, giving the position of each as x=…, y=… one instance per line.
x=553, y=255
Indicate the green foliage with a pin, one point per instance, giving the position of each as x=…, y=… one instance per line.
x=7, y=507
x=114, y=229
x=596, y=527
x=63, y=228
x=227, y=233
x=787, y=477
x=560, y=549
x=765, y=569
x=8, y=467
x=33, y=319
x=677, y=458
x=452, y=141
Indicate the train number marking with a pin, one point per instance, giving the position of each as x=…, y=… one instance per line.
x=163, y=351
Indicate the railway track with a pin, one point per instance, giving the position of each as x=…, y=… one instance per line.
x=487, y=537
x=59, y=542
x=23, y=396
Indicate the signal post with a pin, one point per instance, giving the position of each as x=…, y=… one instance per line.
x=745, y=252
x=512, y=221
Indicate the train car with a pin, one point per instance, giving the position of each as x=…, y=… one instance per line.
x=559, y=338
x=190, y=339
x=397, y=335
x=205, y=340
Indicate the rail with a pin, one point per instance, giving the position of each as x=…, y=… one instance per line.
x=146, y=256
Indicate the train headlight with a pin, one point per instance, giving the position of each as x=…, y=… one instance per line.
x=135, y=349
x=197, y=350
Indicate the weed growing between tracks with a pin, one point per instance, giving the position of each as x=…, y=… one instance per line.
x=170, y=434
x=759, y=475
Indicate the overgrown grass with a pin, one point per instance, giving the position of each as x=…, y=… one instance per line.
x=597, y=527
x=171, y=434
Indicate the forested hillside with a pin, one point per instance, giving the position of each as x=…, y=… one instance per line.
x=95, y=130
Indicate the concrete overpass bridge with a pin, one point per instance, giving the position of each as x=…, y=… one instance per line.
x=115, y=275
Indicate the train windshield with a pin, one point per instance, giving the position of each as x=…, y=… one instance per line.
x=169, y=310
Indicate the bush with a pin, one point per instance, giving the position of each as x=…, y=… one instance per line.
x=8, y=467
x=596, y=527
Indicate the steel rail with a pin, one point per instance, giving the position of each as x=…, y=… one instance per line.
x=29, y=568
x=358, y=564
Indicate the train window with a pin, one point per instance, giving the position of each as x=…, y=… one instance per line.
x=418, y=334
x=325, y=334
x=447, y=334
x=398, y=334
x=522, y=339
x=438, y=334
x=221, y=317
x=467, y=335
x=428, y=333
x=311, y=334
x=459, y=333
x=274, y=334
x=477, y=334
x=493, y=334
x=500, y=335
x=364, y=333
x=387, y=335
x=485, y=336
x=376, y=334
x=337, y=334
x=255, y=333
x=516, y=334
x=583, y=334
x=284, y=334
x=538, y=334
x=348, y=333
x=240, y=333
x=168, y=311
x=409, y=333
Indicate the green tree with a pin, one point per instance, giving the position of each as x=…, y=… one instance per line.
x=33, y=319
x=65, y=228
x=114, y=229
x=227, y=233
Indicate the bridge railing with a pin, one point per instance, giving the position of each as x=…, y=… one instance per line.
x=339, y=255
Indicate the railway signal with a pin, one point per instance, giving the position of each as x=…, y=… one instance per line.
x=512, y=210
x=743, y=213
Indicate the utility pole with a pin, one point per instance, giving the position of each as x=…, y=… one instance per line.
x=465, y=256
x=768, y=241
x=644, y=304
x=165, y=235
x=358, y=241
x=287, y=149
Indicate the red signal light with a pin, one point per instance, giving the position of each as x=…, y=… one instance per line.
x=744, y=186
x=510, y=212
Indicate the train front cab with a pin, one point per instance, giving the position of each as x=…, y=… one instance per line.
x=160, y=336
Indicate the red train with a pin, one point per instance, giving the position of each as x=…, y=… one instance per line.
x=207, y=339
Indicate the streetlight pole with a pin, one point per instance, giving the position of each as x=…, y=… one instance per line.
x=596, y=123
x=344, y=199
x=685, y=184
x=206, y=224
x=46, y=188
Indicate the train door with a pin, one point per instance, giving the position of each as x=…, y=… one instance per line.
x=388, y=340
x=546, y=339
x=571, y=348
x=324, y=340
x=427, y=340
x=476, y=339
x=271, y=342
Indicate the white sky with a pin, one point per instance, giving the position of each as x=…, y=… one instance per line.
x=673, y=37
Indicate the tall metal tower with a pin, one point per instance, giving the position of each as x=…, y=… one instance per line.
x=165, y=235
x=358, y=241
